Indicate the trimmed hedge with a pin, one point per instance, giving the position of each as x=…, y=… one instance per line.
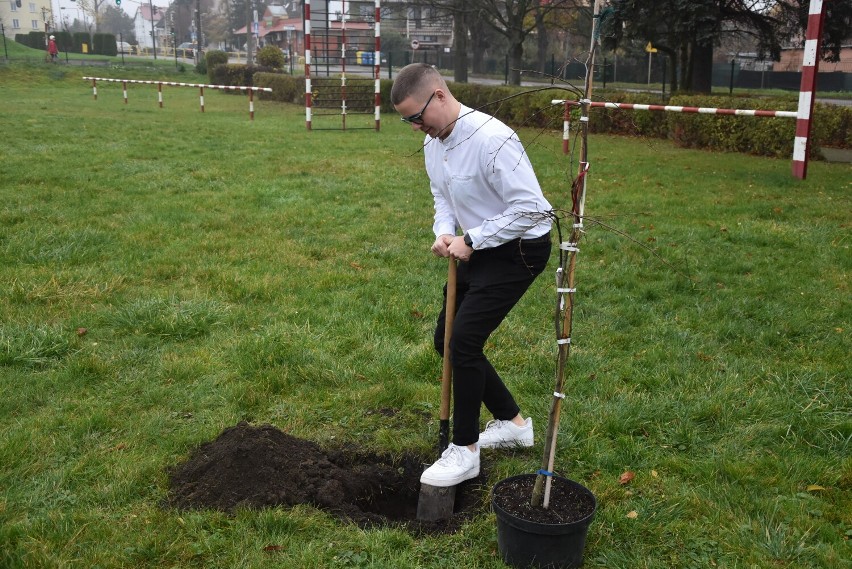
x=81, y=38
x=285, y=88
x=36, y=40
x=104, y=44
x=235, y=74
x=213, y=58
x=64, y=41
x=832, y=125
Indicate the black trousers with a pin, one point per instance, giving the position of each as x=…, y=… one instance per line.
x=488, y=286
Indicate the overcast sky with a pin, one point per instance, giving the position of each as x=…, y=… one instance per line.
x=129, y=7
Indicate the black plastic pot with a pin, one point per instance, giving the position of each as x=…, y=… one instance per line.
x=527, y=544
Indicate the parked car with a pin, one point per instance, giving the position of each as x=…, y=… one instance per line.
x=124, y=47
x=187, y=49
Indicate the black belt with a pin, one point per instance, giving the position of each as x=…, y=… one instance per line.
x=543, y=239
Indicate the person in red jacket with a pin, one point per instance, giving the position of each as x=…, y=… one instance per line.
x=52, y=49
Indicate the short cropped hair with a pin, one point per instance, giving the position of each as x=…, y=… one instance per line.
x=414, y=79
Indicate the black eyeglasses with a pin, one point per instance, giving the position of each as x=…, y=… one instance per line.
x=417, y=118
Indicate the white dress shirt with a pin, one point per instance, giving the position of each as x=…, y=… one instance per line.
x=483, y=183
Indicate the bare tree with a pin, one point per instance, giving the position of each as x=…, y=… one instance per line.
x=516, y=19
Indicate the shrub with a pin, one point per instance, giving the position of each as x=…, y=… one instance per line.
x=201, y=67
x=36, y=40
x=81, y=38
x=270, y=56
x=64, y=41
x=23, y=39
x=104, y=44
x=235, y=74
x=285, y=88
x=213, y=58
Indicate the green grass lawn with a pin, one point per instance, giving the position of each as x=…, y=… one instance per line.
x=227, y=270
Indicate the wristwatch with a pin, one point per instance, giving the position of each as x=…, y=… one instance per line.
x=468, y=241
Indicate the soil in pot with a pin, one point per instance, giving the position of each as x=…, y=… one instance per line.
x=542, y=538
x=568, y=504
x=258, y=467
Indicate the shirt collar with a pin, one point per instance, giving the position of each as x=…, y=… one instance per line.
x=454, y=134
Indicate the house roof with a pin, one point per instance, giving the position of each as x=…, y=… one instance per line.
x=145, y=12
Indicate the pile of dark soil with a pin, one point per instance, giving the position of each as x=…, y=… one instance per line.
x=261, y=467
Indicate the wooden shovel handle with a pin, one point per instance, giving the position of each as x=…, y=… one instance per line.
x=447, y=371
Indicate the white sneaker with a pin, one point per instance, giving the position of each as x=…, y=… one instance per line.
x=506, y=434
x=456, y=465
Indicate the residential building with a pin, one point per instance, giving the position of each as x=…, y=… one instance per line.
x=30, y=16
x=147, y=24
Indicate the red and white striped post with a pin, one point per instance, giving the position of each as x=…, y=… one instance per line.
x=377, y=65
x=810, y=67
x=124, y=88
x=160, y=94
x=251, y=104
x=95, y=88
x=307, y=19
x=201, y=96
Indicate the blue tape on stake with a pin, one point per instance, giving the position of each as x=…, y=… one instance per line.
x=545, y=472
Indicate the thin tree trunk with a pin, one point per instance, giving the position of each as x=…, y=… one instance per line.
x=477, y=42
x=543, y=41
x=516, y=58
x=460, y=45
x=702, y=67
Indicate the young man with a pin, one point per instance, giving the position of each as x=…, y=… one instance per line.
x=484, y=187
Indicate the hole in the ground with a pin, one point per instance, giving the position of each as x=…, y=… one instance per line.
x=260, y=467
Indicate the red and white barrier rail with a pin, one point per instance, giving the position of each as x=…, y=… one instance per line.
x=677, y=109
x=566, y=129
x=160, y=84
x=810, y=67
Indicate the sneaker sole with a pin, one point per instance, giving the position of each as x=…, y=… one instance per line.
x=508, y=444
x=452, y=481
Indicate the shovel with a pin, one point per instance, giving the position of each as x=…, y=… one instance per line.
x=436, y=503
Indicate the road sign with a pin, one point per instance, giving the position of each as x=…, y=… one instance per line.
x=415, y=44
x=650, y=49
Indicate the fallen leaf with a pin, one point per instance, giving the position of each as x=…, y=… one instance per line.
x=273, y=548
x=355, y=265
x=654, y=473
x=626, y=477
x=815, y=488
x=633, y=515
x=82, y=331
